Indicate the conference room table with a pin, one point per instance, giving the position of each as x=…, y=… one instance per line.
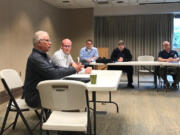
x=107, y=80
x=142, y=64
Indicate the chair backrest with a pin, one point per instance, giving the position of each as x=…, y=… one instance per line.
x=12, y=78
x=62, y=94
x=103, y=52
x=145, y=58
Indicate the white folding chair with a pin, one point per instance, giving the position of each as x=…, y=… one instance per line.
x=11, y=80
x=144, y=71
x=60, y=96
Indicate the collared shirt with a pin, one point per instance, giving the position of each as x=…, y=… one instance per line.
x=39, y=68
x=86, y=54
x=125, y=54
x=165, y=55
x=62, y=59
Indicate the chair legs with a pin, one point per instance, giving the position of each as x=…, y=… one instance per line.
x=5, y=119
x=15, y=121
x=138, y=79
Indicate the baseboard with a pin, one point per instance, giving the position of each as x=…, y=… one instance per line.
x=4, y=97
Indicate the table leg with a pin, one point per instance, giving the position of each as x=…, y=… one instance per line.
x=94, y=110
x=155, y=80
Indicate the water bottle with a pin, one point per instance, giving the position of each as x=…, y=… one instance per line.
x=175, y=56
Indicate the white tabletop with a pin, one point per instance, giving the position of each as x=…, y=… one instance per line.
x=141, y=63
x=107, y=80
x=136, y=63
x=96, y=64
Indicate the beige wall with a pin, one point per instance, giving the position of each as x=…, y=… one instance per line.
x=19, y=19
x=79, y=29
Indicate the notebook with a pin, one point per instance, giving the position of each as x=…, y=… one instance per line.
x=84, y=79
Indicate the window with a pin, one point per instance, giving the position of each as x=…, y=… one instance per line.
x=176, y=34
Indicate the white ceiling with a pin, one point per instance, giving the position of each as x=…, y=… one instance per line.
x=105, y=3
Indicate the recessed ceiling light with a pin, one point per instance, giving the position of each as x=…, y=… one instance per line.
x=65, y=1
x=120, y=1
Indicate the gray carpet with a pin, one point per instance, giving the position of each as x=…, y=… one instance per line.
x=143, y=111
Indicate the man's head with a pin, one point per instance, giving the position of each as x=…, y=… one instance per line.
x=66, y=46
x=121, y=45
x=41, y=41
x=166, y=46
x=89, y=44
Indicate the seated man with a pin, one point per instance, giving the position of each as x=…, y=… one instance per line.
x=88, y=54
x=168, y=55
x=122, y=54
x=40, y=67
x=63, y=58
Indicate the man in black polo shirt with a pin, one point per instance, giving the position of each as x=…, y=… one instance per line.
x=40, y=67
x=122, y=54
x=168, y=55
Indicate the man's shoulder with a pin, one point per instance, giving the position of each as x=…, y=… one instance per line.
x=116, y=49
x=162, y=51
x=94, y=48
x=174, y=51
x=126, y=49
x=35, y=56
x=58, y=52
x=83, y=48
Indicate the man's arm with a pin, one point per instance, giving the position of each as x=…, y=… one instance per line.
x=162, y=60
x=48, y=70
x=95, y=55
x=168, y=60
x=128, y=56
x=114, y=56
x=82, y=55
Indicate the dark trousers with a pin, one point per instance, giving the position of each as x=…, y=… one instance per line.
x=33, y=100
x=127, y=69
x=164, y=71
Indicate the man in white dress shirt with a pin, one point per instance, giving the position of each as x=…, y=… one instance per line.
x=63, y=58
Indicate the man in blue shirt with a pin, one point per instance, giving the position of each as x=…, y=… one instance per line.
x=168, y=55
x=88, y=53
x=40, y=67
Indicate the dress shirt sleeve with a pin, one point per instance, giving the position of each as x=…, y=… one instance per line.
x=47, y=69
x=114, y=56
x=160, y=55
x=128, y=56
x=82, y=55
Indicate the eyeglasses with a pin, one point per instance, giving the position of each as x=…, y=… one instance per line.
x=66, y=46
x=47, y=40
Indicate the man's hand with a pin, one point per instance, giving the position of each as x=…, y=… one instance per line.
x=120, y=59
x=88, y=70
x=77, y=66
x=172, y=59
x=89, y=60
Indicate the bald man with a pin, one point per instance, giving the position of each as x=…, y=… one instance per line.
x=169, y=55
x=63, y=58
